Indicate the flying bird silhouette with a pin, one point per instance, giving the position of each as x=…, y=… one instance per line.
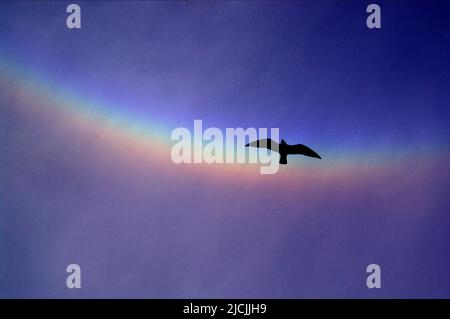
x=284, y=149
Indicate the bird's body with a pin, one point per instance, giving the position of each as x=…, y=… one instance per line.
x=284, y=149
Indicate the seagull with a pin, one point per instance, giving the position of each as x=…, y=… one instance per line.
x=284, y=149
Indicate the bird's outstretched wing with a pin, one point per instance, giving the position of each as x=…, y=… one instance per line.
x=265, y=143
x=302, y=150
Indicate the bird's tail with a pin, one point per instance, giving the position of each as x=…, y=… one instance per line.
x=283, y=158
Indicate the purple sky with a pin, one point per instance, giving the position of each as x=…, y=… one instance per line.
x=373, y=103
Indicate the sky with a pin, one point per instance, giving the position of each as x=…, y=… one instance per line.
x=86, y=174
